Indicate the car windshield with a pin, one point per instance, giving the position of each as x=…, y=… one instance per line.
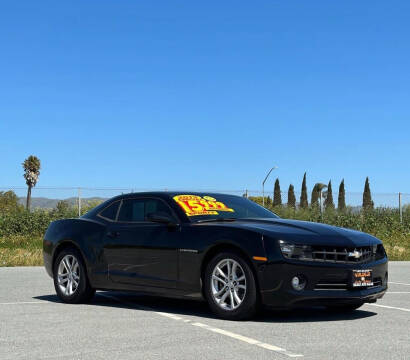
x=200, y=207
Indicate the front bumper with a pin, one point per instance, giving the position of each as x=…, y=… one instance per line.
x=325, y=284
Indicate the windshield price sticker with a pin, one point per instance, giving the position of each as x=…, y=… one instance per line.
x=194, y=205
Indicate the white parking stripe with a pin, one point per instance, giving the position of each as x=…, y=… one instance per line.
x=398, y=292
x=389, y=307
x=247, y=340
x=210, y=328
x=171, y=316
x=25, y=302
x=398, y=283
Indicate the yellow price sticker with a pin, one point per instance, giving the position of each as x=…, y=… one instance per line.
x=194, y=205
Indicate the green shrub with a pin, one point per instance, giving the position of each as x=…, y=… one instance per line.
x=21, y=231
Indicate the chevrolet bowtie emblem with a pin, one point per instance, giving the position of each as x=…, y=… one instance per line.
x=356, y=254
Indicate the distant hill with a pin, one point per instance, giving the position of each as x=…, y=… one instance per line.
x=46, y=203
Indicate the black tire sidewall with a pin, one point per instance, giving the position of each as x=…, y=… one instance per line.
x=248, y=306
x=83, y=291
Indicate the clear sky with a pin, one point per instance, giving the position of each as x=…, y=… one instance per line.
x=174, y=94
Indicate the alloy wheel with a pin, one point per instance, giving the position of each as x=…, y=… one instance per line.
x=228, y=284
x=68, y=275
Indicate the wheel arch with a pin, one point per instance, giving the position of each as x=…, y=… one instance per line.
x=226, y=246
x=64, y=245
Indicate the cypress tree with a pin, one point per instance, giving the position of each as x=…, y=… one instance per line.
x=277, y=198
x=291, y=197
x=314, y=200
x=341, y=202
x=367, y=196
x=329, y=204
x=303, y=196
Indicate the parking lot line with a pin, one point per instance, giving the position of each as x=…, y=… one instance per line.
x=23, y=302
x=246, y=339
x=210, y=328
x=398, y=292
x=389, y=307
x=171, y=316
x=398, y=283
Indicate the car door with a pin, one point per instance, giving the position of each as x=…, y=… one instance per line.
x=139, y=252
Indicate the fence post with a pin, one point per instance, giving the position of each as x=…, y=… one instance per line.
x=79, y=202
x=400, y=209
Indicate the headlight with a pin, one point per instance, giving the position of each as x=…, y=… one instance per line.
x=294, y=251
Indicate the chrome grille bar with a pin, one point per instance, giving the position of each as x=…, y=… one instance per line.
x=358, y=255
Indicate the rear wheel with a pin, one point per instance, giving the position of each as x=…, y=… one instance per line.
x=230, y=287
x=70, y=278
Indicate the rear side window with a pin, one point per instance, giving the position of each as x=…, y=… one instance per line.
x=110, y=212
x=132, y=210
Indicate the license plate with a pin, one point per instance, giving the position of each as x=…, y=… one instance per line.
x=362, y=278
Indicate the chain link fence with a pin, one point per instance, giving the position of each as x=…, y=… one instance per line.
x=353, y=199
x=48, y=197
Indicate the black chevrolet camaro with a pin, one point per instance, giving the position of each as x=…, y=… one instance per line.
x=222, y=248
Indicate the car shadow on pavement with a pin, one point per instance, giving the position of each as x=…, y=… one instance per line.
x=201, y=309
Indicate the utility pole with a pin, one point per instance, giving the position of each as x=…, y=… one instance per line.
x=263, y=185
x=320, y=202
x=400, y=209
x=79, y=202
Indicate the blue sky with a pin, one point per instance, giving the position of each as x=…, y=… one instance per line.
x=180, y=94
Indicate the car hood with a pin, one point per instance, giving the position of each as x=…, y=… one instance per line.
x=304, y=232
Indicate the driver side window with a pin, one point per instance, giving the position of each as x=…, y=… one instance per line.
x=137, y=210
x=154, y=206
x=131, y=210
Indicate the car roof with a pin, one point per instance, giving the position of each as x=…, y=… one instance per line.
x=167, y=194
x=159, y=194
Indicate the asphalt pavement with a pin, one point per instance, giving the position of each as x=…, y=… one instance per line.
x=34, y=324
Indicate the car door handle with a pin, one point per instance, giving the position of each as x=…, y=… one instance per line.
x=113, y=234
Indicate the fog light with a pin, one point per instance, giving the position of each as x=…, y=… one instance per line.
x=298, y=283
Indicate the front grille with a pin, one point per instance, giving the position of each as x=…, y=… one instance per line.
x=343, y=284
x=357, y=255
x=330, y=285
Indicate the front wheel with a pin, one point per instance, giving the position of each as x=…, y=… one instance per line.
x=70, y=278
x=230, y=287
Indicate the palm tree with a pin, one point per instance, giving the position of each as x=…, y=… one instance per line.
x=31, y=168
x=317, y=189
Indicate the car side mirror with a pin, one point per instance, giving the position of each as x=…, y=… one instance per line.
x=161, y=218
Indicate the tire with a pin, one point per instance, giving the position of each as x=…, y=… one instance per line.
x=241, y=288
x=344, y=308
x=69, y=267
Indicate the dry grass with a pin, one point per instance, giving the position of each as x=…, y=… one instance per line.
x=21, y=257
x=21, y=250
x=24, y=250
x=397, y=252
